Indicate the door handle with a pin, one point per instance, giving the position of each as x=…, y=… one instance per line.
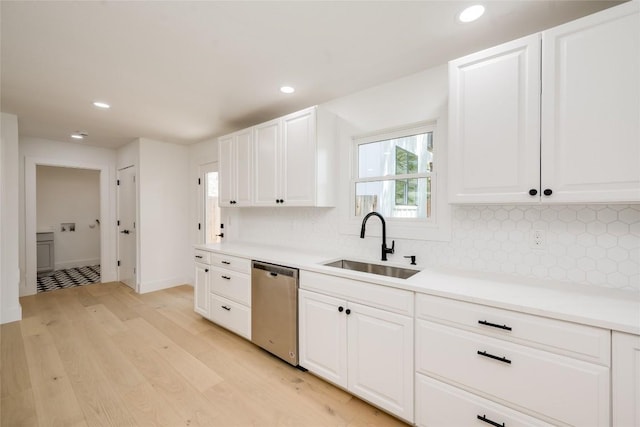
x=125, y=231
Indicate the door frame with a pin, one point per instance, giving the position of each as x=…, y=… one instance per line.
x=203, y=169
x=136, y=288
x=107, y=232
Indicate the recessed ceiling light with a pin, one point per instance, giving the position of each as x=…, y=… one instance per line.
x=79, y=135
x=287, y=89
x=471, y=13
x=101, y=104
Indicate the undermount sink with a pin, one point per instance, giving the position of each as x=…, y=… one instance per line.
x=381, y=270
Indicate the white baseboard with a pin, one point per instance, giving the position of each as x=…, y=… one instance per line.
x=77, y=263
x=163, y=284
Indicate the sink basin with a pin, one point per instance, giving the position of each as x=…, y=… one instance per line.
x=381, y=270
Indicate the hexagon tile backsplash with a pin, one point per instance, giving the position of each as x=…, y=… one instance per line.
x=592, y=244
x=587, y=244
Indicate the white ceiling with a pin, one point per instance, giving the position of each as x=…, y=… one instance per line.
x=183, y=71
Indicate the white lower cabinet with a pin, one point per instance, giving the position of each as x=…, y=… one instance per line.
x=201, y=290
x=222, y=291
x=363, y=349
x=625, y=379
x=536, y=379
x=231, y=315
x=441, y=405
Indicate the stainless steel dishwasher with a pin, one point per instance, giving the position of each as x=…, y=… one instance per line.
x=274, y=310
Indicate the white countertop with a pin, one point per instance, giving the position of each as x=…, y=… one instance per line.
x=589, y=305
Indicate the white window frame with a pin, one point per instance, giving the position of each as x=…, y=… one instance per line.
x=438, y=226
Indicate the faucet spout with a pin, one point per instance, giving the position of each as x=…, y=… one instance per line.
x=385, y=250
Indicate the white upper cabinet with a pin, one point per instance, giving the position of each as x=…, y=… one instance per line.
x=292, y=157
x=557, y=123
x=495, y=123
x=235, y=156
x=267, y=163
x=591, y=108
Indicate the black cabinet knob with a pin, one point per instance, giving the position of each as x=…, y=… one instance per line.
x=340, y=309
x=547, y=192
x=206, y=270
x=533, y=192
x=348, y=311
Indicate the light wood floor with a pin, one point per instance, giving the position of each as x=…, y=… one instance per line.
x=101, y=355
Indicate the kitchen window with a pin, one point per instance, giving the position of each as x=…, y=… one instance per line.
x=394, y=173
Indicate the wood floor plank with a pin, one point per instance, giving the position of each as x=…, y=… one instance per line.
x=192, y=369
x=109, y=322
x=55, y=401
x=14, y=371
x=188, y=403
x=103, y=355
x=18, y=409
x=149, y=408
x=101, y=405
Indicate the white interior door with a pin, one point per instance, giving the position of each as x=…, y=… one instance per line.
x=209, y=218
x=127, y=226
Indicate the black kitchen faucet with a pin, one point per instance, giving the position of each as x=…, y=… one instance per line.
x=385, y=250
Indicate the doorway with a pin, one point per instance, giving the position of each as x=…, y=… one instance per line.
x=28, y=286
x=209, y=209
x=67, y=227
x=127, y=241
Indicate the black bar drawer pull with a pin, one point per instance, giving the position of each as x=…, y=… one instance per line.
x=226, y=262
x=199, y=256
x=491, y=356
x=226, y=277
x=226, y=308
x=494, y=325
x=488, y=421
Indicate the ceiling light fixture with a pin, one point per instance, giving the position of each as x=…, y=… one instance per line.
x=101, y=104
x=287, y=89
x=471, y=13
x=79, y=135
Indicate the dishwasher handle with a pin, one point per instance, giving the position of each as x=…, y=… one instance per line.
x=275, y=270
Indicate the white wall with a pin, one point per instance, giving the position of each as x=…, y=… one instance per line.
x=36, y=151
x=10, y=309
x=165, y=249
x=66, y=195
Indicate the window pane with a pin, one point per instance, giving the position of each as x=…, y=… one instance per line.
x=400, y=198
x=211, y=210
x=410, y=154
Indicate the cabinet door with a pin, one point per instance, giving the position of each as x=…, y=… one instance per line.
x=625, y=379
x=227, y=180
x=267, y=163
x=323, y=336
x=380, y=365
x=299, y=158
x=591, y=108
x=494, y=133
x=243, y=165
x=201, y=290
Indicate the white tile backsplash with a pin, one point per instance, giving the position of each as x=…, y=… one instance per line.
x=587, y=244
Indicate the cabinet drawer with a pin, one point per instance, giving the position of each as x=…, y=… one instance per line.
x=232, y=285
x=241, y=265
x=441, y=405
x=202, y=256
x=571, y=339
x=564, y=389
x=380, y=296
x=230, y=315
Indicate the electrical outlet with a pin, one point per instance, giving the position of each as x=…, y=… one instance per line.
x=538, y=239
